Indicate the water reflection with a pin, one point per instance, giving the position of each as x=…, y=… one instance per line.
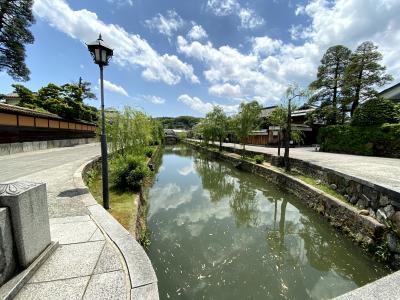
x=219, y=233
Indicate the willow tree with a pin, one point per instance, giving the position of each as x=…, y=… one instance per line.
x=218, y=122
x=247, y=120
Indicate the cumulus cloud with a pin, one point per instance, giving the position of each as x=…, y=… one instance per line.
x=153, y=99
x=197, y=33
x=129, y=49
x=199, y=105
x=264, y=72
x=248, y=17
x=166, y=25
x=223, y=7
x=112, y=87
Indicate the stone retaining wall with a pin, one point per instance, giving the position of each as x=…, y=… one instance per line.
x=380, y=227
x=12, y=148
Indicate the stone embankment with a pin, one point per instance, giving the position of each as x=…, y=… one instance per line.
x=371, y=215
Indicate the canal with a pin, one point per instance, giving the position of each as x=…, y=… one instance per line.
x=221, y=233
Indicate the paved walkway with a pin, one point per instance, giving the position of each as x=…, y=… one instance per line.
x=86, y=265
x=378, y=170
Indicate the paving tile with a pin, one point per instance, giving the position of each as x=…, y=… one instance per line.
x=70, y=289
x=70, y=261
x=107, y=286
x=69, y=219
x=97, y=236
x=68, y=233
x=146, y=292
x=109, y=260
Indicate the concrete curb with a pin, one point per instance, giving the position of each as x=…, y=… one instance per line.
x=142, y=276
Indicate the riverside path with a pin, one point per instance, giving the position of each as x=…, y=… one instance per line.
x=87, y=264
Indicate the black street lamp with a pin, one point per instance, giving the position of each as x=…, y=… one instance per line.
x=101, y=54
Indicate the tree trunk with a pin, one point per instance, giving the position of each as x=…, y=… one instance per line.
x=279, y=143
x=220, y=144
x=287, y=138
x=356, y=100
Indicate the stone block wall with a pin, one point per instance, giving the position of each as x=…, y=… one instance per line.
x=371, y=215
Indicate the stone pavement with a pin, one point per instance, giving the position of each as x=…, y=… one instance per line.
x=378, y=170
x=87, y=264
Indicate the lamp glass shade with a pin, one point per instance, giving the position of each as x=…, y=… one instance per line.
x=97, y=57
x=103, y=56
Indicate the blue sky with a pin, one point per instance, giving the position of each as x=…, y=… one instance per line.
x=180, y=57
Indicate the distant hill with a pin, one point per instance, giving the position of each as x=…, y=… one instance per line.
x=182, y=122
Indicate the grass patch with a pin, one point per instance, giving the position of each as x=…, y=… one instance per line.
x=122, y=203
x=319, y=185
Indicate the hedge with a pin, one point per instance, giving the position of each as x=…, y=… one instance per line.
x=383, y=140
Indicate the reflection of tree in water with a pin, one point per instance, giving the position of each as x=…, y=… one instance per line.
x=181, y=150
x=214, y=179
x=244, y=205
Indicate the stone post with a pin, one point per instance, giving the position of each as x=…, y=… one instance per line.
x=27, y=203
x=7, y=257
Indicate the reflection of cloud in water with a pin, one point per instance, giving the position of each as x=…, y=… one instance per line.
x=319, y=291
x=169, y=196
x=186, y=170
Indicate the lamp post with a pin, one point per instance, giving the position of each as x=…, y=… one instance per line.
x=101, y=54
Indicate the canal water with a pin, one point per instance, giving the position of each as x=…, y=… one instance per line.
x=220, y=233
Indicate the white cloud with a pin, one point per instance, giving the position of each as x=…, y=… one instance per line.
x=153, y=99
x=226, y=90
x=129, y=49
x=223, y=7
x=166, y=25
x=199, y=105
x=264, y=72
x=248, y=17
x=121, y=2
x=197, y=33
x=114, y=88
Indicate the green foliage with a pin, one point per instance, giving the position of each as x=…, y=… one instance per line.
x=148, y=151
x=259, y=158
x=181, y=135
x=247, y=120
x=363, y=74
x=65, y=101
x=145, y=239
x=182, y=122
x=128, y=172
x=130, y=131
x=381, y=140
x=329, y=84
x=15, y=19
x=376, y=111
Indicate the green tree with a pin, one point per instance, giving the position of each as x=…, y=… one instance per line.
x=363, y=74
x=27, y=98
x=247, y=120
x=292, y=92
x=219, y=124
x=329, y=83
x=278, y=118
x=376, y=111
x=15, y=18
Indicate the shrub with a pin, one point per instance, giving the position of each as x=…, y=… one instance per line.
x=259, y=158
x=383, y=140
x=148, y=151
x=376, y=112
x=128, y=173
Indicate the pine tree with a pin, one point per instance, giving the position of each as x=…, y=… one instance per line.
x=363, y=74
x=15, y=18
x=329, y=84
